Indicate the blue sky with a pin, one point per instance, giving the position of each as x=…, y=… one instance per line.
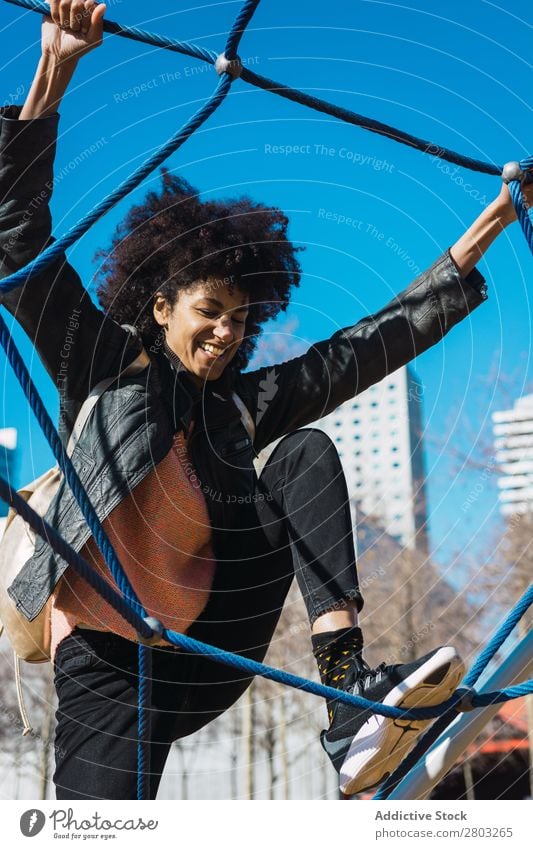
x=459, y=77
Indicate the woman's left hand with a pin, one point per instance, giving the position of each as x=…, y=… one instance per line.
x=505, y=205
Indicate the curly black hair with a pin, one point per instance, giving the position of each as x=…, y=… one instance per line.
x=174, y=240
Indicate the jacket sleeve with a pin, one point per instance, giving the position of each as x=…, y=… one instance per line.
x=77, y=343
x=290, y=395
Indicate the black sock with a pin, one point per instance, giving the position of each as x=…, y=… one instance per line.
x=334, y=650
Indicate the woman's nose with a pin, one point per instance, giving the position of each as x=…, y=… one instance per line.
x=224, y=329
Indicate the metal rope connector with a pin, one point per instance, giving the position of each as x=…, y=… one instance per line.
x=512, y=171
x=466, y=702
x=233, y=67
x=157, y=629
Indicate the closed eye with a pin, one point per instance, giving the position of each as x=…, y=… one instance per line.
x=209, y=314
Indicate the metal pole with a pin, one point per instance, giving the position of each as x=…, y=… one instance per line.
x=440, y=758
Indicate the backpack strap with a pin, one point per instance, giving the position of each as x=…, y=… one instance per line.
x=246, y=418
x=138, y=365
x=27, y=729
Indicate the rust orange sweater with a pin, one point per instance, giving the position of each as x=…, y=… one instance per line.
x=161, y=533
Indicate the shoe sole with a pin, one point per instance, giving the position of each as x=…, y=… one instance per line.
x=382, y=743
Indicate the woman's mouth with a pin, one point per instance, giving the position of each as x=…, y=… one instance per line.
x=213, y=352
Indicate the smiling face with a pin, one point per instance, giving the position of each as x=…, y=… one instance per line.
x=205, y=327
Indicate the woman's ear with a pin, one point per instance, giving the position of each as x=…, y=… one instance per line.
x=161, y=310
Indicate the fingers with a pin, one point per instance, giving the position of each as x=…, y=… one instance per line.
x=54, y=11
x=64, y=14
x=77, y=10
x=88, y=8
x=76, y=15
x=99, y=10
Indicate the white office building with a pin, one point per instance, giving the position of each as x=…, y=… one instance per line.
x=513, y=443
x=378, y=435
x=8, y=448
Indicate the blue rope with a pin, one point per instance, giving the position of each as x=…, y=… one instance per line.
x=88, y=511
x=289, y=93
x=187, y=48
x=479, y=700
x=50, y=255
x=80, y=566
x=505, y=695
x=56, y=250
x=237, y=31
x=512, y=619
x=369, y=124
x=294, y=95
x=229, y=658
x=144, y=722
x=66, y=466
x=523, y=213
x=422, y=746
x=135, y=611
x=220, y=655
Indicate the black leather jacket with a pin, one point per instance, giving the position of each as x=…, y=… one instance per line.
x=134, y=422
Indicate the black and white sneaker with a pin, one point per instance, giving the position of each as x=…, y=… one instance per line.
x=366, y=748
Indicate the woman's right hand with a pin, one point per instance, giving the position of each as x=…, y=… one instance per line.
x=74, y=28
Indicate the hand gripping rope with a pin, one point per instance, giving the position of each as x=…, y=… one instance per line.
x=126, y=602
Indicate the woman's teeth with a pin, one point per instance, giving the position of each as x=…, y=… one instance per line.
x=212, y=349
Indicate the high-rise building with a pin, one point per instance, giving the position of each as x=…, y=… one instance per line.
x=378, y=435
x=513, y=443
x=8, y=449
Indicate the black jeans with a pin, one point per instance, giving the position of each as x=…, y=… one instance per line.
x=301, y=526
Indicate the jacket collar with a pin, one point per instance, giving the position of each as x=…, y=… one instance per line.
x=189, y=402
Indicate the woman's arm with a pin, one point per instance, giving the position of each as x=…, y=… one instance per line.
x=296, y=393
x=469, y=249
x=77, y=343
x=73, y=29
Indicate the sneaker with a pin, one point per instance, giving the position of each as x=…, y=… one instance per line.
x=366, y=748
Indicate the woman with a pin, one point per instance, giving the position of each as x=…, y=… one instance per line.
x=167, y=457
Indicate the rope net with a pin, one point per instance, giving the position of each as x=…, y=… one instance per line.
x=127, y=603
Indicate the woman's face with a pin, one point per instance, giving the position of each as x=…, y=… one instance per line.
x=205, y=327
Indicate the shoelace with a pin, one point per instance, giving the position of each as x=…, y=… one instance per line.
x=366, y=676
